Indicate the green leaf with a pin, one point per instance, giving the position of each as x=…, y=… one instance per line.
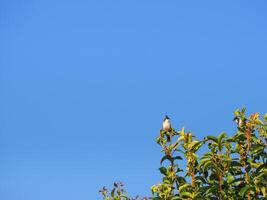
x=237, y=112
x=166, y=157
x=200, y=178
x=220, y=137
x=177, y=158
x=212, y=138
x=181, y=180
x=257, y=148
x=186, y=195
x=196, y=196
x=184, y=186
x=263, y=190
x=163, y=170
x=197, y=145
x=245, y=190
x=166, y=180
x=112, y=192
x=261, y=167
x=243, y=110
x=237, y=179
x=203, y=161
x=230, y=178
x=235, y=164
x=206, y=165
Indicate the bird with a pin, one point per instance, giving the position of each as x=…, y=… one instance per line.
x=238, y=121
x=166, y=125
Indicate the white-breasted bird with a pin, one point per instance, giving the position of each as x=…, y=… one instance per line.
x=166, y=125
x=238, y=121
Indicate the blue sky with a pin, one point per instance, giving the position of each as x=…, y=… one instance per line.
x=85, y=85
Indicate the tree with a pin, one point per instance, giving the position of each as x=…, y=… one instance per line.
x=232, y=168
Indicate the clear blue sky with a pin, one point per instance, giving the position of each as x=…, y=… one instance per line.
x=85, y=85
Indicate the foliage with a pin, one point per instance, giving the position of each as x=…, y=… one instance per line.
x=231, y=168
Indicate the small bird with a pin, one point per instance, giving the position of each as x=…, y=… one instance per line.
x=238, y=121
x=166, y=125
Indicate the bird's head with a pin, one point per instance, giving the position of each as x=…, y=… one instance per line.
x=166, y=117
